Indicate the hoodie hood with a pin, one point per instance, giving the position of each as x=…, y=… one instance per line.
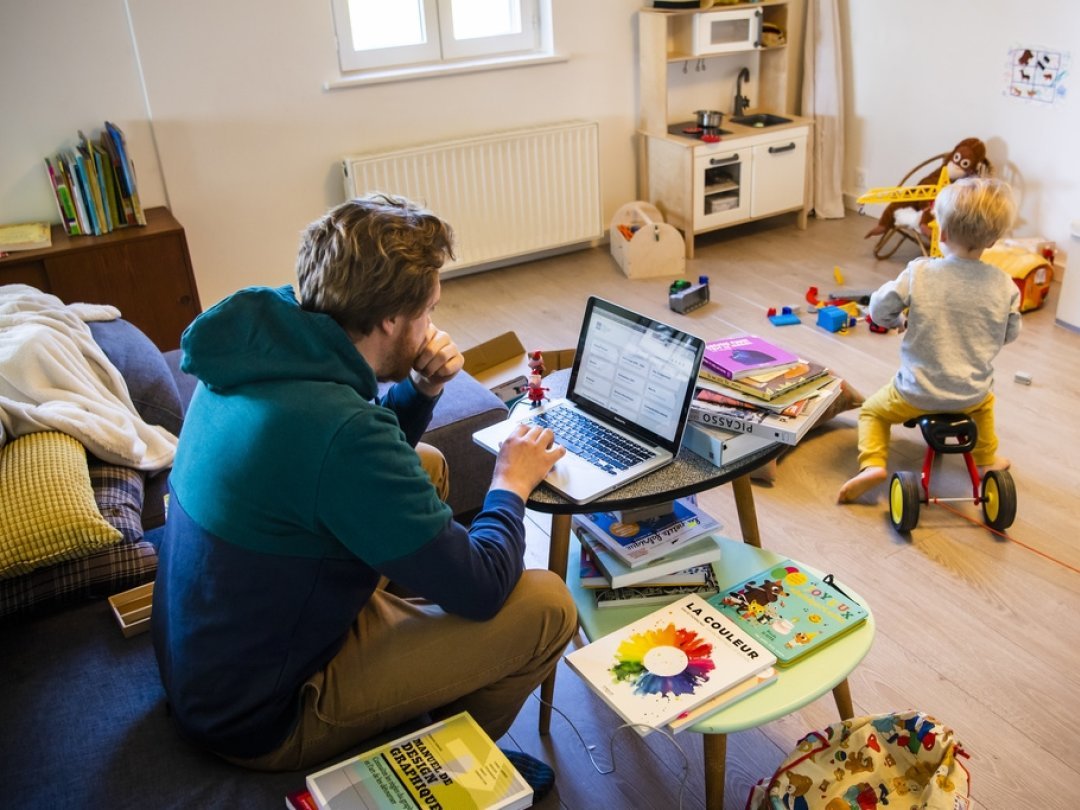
x=260, y=334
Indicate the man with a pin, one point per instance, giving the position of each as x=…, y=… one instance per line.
x=295, y=493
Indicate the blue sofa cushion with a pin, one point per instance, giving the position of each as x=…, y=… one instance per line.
x=150, y=383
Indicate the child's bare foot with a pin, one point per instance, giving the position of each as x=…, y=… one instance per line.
x=766, y=473
x=867, y=479
x=999, y=463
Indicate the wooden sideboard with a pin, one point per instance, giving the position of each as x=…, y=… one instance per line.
x=145, y=272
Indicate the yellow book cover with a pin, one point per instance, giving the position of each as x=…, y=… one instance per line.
x=451, y=764
x=25, y=236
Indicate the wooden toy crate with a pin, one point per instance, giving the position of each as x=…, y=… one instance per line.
x=132, y=609
x=643, y=245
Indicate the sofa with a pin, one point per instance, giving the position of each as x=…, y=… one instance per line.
x=85, y=718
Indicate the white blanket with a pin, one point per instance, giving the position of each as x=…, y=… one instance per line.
x=53, y=376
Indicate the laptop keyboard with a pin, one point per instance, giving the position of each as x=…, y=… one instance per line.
x=590, y=440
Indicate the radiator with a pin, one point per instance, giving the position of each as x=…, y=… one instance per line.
x=507, y=195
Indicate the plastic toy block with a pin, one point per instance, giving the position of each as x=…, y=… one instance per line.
x=832, y=319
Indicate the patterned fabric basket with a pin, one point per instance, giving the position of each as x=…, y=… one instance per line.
x=905, y=760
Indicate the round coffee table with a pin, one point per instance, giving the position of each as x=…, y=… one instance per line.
x=688, y=474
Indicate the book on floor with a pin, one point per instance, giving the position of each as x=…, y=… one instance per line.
x=753, y=684
x=452, y=763
x=618, y=574
x=738, y=356
x=772, y=426
x=636, y=544
x=790, y=611
x=634, y=595
x=668, y=662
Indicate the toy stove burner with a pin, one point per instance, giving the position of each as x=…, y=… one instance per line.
x=690, y=129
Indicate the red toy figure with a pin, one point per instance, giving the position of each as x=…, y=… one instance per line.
x=536, y=363
x=535, y=391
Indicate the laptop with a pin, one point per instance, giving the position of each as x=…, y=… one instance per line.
x=626, y=403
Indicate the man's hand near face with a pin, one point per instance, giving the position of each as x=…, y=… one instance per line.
x=437, y=362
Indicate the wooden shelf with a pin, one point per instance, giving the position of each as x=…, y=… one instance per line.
x=144, y=271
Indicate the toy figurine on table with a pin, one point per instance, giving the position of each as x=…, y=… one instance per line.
x=536, y=362
x=535, y=391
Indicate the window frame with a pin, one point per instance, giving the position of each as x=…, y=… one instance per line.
x=442, y=49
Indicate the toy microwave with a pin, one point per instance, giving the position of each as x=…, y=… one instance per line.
x=712, y=32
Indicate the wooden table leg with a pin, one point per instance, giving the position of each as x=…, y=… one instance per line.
x=558, y=551
x=842, y=695
x=715, y=761
x=744, y=505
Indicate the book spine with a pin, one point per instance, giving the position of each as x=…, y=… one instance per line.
x=64, y=161
x=63, y=199
x=720, y=447
x=725, y=421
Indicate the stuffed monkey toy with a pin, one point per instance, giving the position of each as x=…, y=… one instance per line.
x=967, y=158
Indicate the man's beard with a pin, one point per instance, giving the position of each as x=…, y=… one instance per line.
x=400, y=362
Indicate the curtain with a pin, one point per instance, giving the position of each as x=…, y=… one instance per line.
x=823, y=100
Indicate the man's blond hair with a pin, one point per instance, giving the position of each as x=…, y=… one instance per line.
x=370, y=259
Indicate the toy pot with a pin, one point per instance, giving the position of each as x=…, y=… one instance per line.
x=708, y=119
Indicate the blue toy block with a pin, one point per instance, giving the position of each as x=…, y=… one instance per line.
x=785, y=319
x=832, y=319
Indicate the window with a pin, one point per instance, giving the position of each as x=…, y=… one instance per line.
x=375, y=34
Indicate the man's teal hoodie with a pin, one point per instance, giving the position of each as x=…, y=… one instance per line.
x=294, y=488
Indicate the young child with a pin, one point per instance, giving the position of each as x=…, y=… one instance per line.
x=960, y=312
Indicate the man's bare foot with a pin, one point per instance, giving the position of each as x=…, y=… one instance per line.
x=999, y=463
x=867, y=479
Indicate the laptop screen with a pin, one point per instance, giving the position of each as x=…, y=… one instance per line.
x=635, y=373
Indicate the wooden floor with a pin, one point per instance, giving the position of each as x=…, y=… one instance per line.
x=979, y=631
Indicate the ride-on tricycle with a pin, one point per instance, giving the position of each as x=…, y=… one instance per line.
x=950, y=433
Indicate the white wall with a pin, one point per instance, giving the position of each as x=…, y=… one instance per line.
x=923, y=75
x=248, y=143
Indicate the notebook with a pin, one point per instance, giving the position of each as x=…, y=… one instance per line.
x=626, y=403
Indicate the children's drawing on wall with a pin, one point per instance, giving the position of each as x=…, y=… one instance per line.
x=1037, y=74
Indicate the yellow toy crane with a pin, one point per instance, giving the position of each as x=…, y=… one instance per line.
x=889, y=194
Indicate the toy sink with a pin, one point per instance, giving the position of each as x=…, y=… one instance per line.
x=760, y=120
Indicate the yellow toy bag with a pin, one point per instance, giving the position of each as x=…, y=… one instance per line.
x=905, y=761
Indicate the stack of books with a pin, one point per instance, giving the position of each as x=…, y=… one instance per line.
x=748, y=386
x=685, y=661
x=654, y=560
x=94, y=184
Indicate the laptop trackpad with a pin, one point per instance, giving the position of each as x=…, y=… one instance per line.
x=578, y=479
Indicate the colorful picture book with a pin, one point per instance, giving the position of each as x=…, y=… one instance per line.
x=452, y=763
x=771, y=385
x=768, y=425
x=636, y=544
x=733, y=695
x=618, y=574
x=742, y=355
x=635, y=595
x=790, y=611
x=668, y=662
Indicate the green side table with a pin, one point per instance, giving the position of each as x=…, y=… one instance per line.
x=796, y=686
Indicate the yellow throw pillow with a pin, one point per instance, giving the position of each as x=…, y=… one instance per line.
x=47, y=508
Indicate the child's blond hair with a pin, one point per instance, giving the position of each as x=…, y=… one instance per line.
x=975, y=212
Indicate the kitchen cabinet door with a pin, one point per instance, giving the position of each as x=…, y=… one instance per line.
x=779, y=172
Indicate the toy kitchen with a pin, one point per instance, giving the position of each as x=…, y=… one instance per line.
x=706, y=169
